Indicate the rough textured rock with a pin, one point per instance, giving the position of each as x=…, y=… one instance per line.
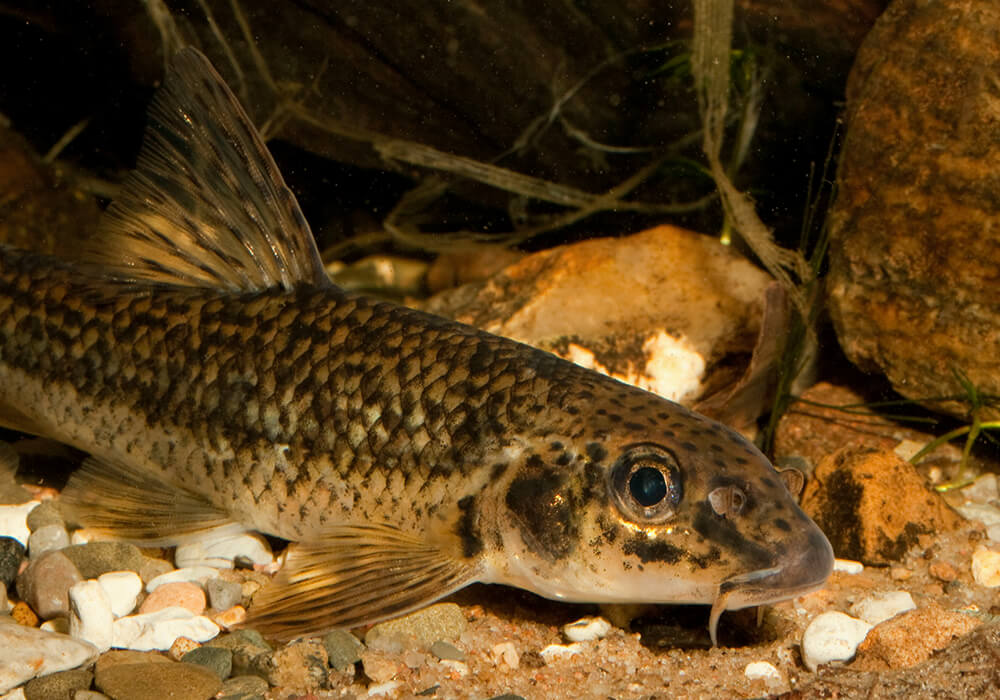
x=58, y=685
x=661, y=308
x=137, y=676
x=914, y=287
x=911, y=638
x=873, y=505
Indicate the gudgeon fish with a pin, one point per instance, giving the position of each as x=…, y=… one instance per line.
x=220, y=382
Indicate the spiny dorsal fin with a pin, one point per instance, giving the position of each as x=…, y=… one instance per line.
x=353, y=575
x=128, y=504
x=206, y=205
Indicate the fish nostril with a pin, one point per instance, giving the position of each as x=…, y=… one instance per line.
x=727, y=501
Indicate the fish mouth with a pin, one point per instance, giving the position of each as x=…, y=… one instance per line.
x=804, y=574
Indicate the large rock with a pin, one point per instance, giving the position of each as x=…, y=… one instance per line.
x=914, y=256
x=660, y=309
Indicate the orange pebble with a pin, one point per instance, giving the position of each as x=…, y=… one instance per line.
x=182, y=594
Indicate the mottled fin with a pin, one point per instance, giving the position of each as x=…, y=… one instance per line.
x=206, y=205
x=127, y=504
x=351, y=576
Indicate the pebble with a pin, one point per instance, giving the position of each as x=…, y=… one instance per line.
x=155, y=680
x=247, y=646
x=90, y=695
x=443, y=621
x=243, y=688
x=181, y=646
x=386, y=688
x=182, y=594
x=23, y=614
x=159, y=630
x=152, y=567
x=447, y=652
x=90, y=614
x=221, y=552
x=986, y=568
x=219, y=660
x=223, y=594
x=14, y=521
x=45, y=584
x=912, y=638
x=456, y=668
x=58, y=685
x=883, y=606
x=848, y=566
x=11, y=556
x=196, y=574
x=16, y=694
x=27, y=652
x=379, y=667
x=505, y=653
x=45, y=513
x=762, y=670
x=586, y=629
x=230, y=618
x=554, y=652
x=96, y=558
x=344, y=649
x=123, y=589
x=47, y=538
x=301, y=664
x=943, y=571
x=832, y=636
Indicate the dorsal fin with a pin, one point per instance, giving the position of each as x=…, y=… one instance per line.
x=206, y=205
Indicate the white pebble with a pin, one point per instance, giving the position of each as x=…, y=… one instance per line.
x=984, y=513
x=832, y=636
x=505, y=653
x=982, y=490
x=993, y=532
x=587, y=628
x=905, y=449
x=16, y=694
x=986, y=567
x=123, y=589
x=559, y=651
x=90, y=617
x=762, y=670
x=159, y=630
x=27, y=652
x=14, y=521
x=221, y=552
x=383, y=688
x=194, y=574
x=848, y=566
x=459, y=667
x=883, y=606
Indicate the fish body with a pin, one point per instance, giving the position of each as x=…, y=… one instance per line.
x=220, y=382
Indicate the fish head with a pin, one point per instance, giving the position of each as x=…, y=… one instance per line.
x=658, y=505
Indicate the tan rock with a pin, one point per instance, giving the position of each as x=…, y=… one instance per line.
x=24, y=615
x=183, y=594
x=914, y=290
x=873, y=505
x=659, y=309
x=911, y=638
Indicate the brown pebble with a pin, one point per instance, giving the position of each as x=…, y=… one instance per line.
x=943, y=571
x=182, y=594
x=909, y=639
x=900, y=573
x=180, y=647
x=24, y=615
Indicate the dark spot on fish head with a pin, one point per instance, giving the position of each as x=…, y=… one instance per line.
x=467, y=528
x=596, y=452
x=652, y=550
x=543, y=506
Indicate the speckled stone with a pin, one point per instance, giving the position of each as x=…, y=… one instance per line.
x=183, y=594
x=58, y=685
x=11, y=555
x=443, y=621
x=222, y=594
x=23, y=614
x=45, y=584
x=247, y=646
x=45, y=513
x=343, y=649
x=96, y=558
x=152, y=567
x=217, y=659
x=47, y=538
x=243, y=688
x=155, y=678
x=301, y=664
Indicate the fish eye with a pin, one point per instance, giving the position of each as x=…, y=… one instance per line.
x=646, y=484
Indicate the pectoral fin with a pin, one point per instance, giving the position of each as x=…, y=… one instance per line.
x=128, y=504
x=354, y=575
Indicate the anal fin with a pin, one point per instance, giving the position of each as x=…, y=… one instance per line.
x=129, y=504
x=354, y=575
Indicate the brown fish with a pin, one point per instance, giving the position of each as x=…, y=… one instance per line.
x=221, y=382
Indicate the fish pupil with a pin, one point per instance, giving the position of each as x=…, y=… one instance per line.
x=647, y=486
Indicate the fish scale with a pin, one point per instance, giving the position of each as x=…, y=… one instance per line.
x=221, y=382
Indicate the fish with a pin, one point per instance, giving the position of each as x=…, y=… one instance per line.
x=220, y=383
